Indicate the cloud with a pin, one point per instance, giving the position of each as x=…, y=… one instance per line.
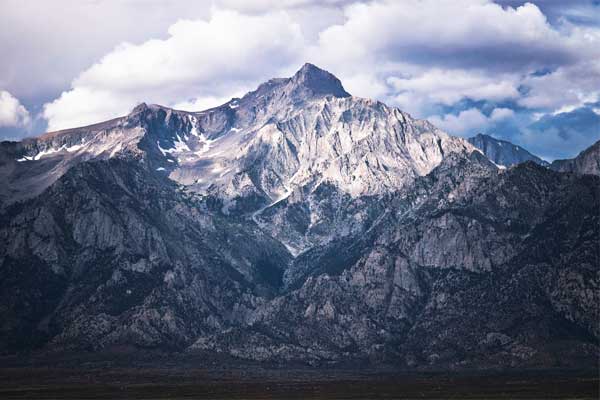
x=447, y=87
x=450, y=86
x=399, y=52
x=471, y=121
x=463, y=124
x=462, y=33
x=565, y=134
x=12, y=112
x=468, y=65
x=566, y=88
x=423, y=53
x=268, y=5
x=585, y=12
x=499, y=114
x=200, y=103
x=200, y=59
x=45, y=45
x=84, y=106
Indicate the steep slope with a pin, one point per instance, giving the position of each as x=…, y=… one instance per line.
x=470, y=267
x=299, y=132
x=502, y=152
x=288, y=133
x=586, y=162
x=303, y=135
x=31, y=166
x=295, y=223
x=115, y=253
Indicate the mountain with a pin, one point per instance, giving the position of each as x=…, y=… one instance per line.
x=586, y=162
x=468, y=268
x=295, y=224
x=502, y=152
x=286, y=134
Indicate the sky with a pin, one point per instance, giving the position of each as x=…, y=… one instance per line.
x=527, y=72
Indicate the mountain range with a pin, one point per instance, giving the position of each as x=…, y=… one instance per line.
x=298, y=223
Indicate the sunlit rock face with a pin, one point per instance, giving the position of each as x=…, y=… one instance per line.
x=297, y=223
x=287, y=134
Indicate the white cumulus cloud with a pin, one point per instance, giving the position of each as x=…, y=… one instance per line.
x=12, y=112
x=431, y=58
x=468, y=33
x=498, y=114
x=201, y=59
x=420, y=53
x=566, y=88
x=439, y=86
x=470, y=121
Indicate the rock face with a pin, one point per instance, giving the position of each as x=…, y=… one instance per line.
x=587, y=162
x=113, y=254
x=287, y=134
x=468, y=267
x=297, y=223
x=502, y=152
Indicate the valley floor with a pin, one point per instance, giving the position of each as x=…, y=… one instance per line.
x=94, y=382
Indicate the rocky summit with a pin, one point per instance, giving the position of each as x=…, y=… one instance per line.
x=297, y=224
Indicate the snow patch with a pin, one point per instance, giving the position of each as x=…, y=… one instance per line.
x=193, y=122
x=178, y=146
x=115, y=150
x=46, y=152
x=206, y=144
x=163, y=151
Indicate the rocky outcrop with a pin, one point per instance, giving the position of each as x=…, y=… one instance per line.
x=586, y=162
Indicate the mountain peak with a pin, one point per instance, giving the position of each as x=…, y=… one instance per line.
x=319, y=81
x=309, y=68
x=503, y=152
x=139, y=108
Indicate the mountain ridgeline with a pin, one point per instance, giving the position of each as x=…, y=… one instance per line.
x=502, y=152
x=586, y=162
x=297, y=224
